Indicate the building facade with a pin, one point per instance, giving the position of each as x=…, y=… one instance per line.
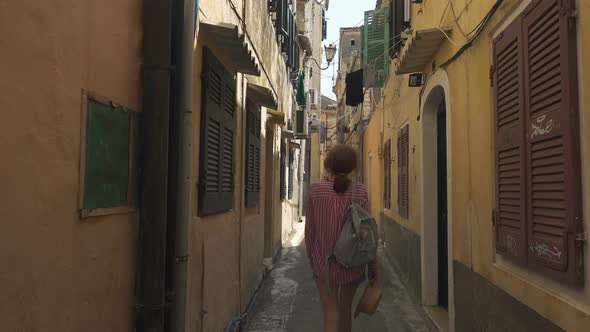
x=68, y=264
x=152, y=185
x=483, y=156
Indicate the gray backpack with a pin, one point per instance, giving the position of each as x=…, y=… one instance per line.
x=358, y=240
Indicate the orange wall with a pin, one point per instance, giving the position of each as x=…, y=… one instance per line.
x=60, y=273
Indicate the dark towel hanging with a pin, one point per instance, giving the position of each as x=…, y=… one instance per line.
x=354, y=88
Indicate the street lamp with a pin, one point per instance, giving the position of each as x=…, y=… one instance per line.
x=330, y=52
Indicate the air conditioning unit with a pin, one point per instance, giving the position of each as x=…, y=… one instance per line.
x=313, y=98
x=301, y=125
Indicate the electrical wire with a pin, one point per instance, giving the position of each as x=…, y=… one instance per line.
x=478, y=30
x=449, y=38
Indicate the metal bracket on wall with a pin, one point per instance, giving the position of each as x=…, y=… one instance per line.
x=181, y=259
x=581, y=239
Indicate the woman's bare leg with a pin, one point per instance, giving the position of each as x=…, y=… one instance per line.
x=329, y=306
x=345, y=307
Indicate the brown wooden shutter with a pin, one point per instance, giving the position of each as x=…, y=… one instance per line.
x=216, y=169
x=387, y=174
x=252, y=164
x=552, y=140
x=403, y=142
x=509, y=153
x=406, y=198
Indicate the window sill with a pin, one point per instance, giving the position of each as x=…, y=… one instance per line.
x=578, y=299
x=84, y=214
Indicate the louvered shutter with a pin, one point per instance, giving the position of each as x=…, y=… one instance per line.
x=283, y=179
x=405, y=171
x=552, y=139
x=509, y=216
x=402, y=171
x=387, y=174
x=283, y=18
x=252, y=171
x=375, y=44
x=291, y=174
x=216, y=169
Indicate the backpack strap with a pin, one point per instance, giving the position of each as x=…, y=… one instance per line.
x=354, y=191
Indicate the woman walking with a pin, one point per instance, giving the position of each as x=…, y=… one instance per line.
x=327, y=206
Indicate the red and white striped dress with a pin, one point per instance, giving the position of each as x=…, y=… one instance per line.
x=324, y=218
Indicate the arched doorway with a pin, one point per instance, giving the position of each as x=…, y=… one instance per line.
x=436, y=240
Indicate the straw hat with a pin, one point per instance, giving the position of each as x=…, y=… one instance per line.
x=369, y=301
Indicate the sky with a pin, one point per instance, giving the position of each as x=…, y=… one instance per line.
x=341, y=13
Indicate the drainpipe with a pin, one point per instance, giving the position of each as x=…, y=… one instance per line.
x=184, y=119
x=155, y=90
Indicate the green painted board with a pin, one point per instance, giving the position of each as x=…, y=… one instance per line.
x=107, y=157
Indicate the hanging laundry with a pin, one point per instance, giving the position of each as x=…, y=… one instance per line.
x=354, y=88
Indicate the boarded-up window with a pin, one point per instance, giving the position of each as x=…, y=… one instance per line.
x=538, y=211
x=252, y=171
x=110, y=158
x=216, y=167
x=387, y=174
x=403, y=143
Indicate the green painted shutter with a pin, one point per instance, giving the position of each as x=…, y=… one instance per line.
x=283, y=18
x=282, y=170
x=216, y=168
x=375, y=43
x=291, y=174
x=252, y=163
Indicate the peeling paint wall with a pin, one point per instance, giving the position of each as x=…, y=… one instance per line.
x=61, y=273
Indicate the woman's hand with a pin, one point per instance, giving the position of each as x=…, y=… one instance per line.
x=372, y=277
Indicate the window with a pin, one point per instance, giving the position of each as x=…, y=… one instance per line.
x=387, y=174
x=399, y=12
x=109, y=158
x=403, y=144
x=216, y=167
x=324, y=25
x=252, y=163
x=375, y=46
x=537, y=145
x=352, y=42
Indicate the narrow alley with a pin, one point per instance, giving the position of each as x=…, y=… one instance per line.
x=288, y=300
x=159, y=159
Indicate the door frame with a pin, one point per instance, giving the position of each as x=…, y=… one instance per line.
x=436, y=90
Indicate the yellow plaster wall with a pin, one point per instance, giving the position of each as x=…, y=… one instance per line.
x=372, y=172
x=471, y=164
x=227, y=249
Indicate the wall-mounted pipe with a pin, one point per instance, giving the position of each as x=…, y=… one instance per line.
x=155, y=91
x=184, y=116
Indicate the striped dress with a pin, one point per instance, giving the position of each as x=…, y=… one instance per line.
x=325, y=215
